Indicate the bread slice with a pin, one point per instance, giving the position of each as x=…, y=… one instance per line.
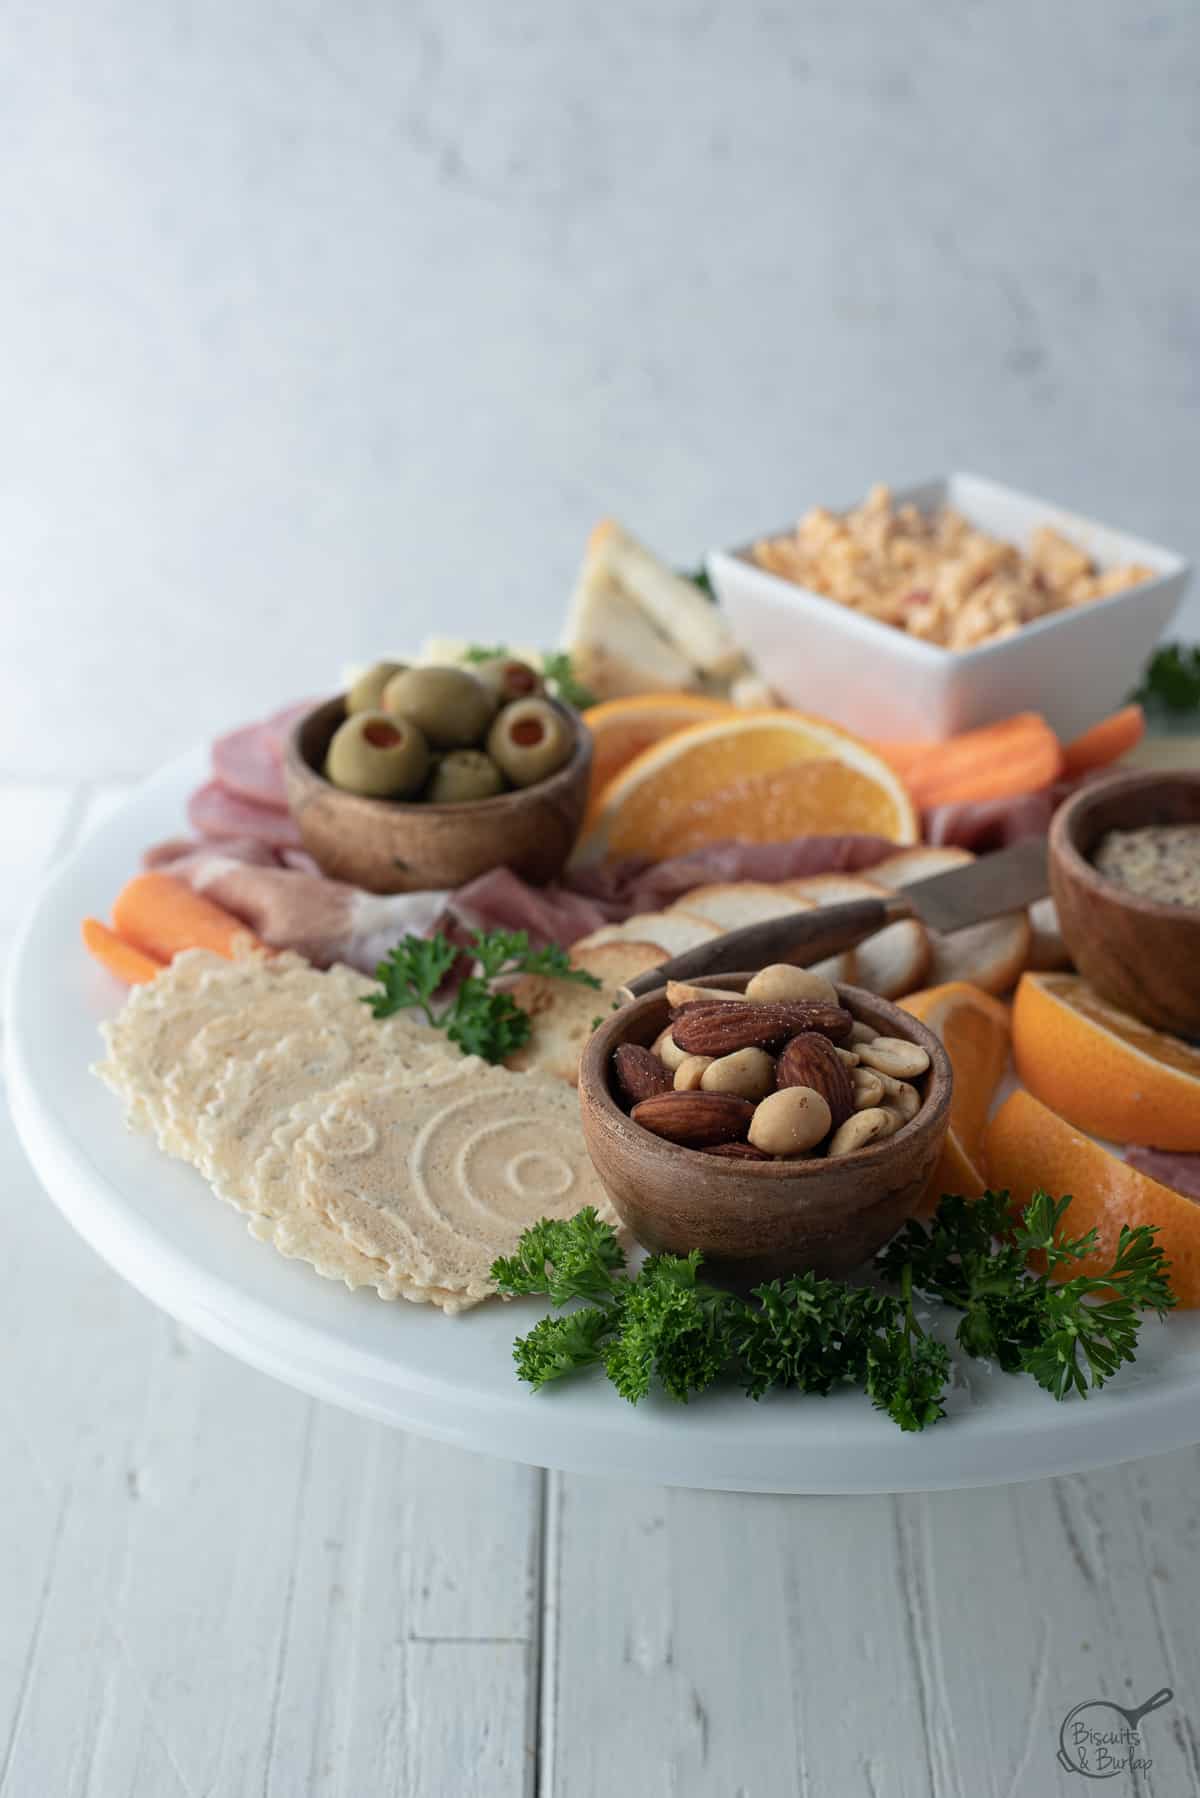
x=671, y=931
x=733, y=904
x=894, y=960
x=991, y=955
x=675, y=605
x=1048, y=951
x=564, y=1015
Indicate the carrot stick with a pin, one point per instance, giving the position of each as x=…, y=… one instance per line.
x=161, y=915
x=118, y=956
x=1104, y=742
x=1014, y=756
x=1009, y=778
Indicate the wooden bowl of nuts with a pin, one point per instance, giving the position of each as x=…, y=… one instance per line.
x=772, y=1121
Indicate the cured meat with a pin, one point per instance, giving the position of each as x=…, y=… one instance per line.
x=247, y=763
x=984, y=824
x=501, y=900
x=214, y=812
x=638, y=885
x=1180, y=1172
x=278, y=726
x=324, y=920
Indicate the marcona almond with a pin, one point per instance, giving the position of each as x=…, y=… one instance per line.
x=811, y=1060
x=849, y=1057
x=868, y=1089
x=638, y=1073
x=668, y=1050
x=782, y=981
x=720, y=1029
x=860, y=1131
x=790, y=1122
x=893, y=1055
x=690, y=1073
x=680, y=992
x=860, y=1033
x=748, y=1072
x=694, y=1120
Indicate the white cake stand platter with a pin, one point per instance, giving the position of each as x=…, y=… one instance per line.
x=157, y=1224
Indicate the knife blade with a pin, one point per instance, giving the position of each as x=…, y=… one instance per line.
x=1006, y=880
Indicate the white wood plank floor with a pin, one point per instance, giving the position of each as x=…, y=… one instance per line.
x=212, y=1587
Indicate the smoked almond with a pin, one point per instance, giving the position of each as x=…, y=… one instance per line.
x=721, y=1029
x=694, y=1120
x=811, y=1060
x=639, y=1074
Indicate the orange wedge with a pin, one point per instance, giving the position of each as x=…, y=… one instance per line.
x=622, y=728
x=761, y=776
x=1028, y=1146
x=1101, y=1068
x=974, y=1028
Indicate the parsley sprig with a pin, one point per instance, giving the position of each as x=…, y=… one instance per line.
x=1170, y=681
x=481, y=1021
x=1070, y=1333
x=666, y=1325
x=556, y=670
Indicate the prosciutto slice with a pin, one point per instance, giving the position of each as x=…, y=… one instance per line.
x=215, y=812
x=247, y=764
x=1181, y=1172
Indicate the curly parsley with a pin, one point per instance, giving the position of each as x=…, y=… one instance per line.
x=481, y=1021
x=665, y=1325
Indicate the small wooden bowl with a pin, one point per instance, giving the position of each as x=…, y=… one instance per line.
x=1139, y=954
x=756, y=1220
x=390, y=847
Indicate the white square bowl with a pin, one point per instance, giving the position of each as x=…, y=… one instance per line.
x=1073, y=666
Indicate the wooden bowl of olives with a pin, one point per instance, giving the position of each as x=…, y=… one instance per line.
x=424, y=778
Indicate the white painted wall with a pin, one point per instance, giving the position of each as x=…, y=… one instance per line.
x=323, y=324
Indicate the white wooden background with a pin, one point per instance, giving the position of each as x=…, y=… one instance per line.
x=212, y=1587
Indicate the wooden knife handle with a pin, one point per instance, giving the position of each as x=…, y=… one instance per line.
x=801, y=937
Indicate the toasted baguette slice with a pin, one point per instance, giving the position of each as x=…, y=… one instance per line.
x=697, y=629
x=1047, y=951
x=563, y=1015
x=732, y=904
x=891, y=962
x=671, y=931
x=991, y=955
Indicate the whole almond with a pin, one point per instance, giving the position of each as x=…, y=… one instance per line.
x=721, y=1029
x=638, y=1073
x=812, y=1060
x=694, y=1120
x=735, y=1151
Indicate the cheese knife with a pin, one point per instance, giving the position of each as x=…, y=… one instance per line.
x=985, y=888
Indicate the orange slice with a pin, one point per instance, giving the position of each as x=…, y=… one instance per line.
x=622, y=728
x=974, y=1028
x=1101, y=1068
x=761, y=776
x=1028, y=1146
